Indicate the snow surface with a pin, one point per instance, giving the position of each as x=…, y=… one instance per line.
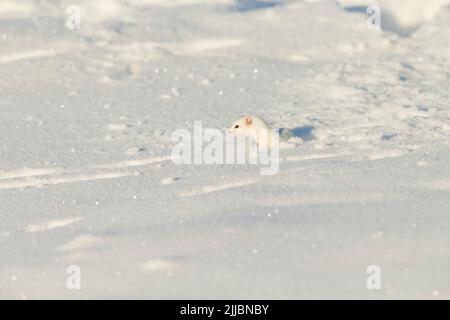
x=86, y=179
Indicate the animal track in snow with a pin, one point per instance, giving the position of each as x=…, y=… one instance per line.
x=51, y=225
x=26, y=172
x=27, y=177
x=385, y=154
x=38, y=182
x=28, y=55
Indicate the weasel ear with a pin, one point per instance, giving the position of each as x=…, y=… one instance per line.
x=248, y=120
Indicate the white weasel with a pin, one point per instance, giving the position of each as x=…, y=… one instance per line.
x=258, y=129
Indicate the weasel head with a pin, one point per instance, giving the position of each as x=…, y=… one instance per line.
x=252, y=126
x=241, y=125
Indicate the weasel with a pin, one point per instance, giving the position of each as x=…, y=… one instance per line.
x=259, y=130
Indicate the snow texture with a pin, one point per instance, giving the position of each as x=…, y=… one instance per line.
x=86, y=176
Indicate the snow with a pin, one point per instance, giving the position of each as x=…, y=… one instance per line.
x=87, y=177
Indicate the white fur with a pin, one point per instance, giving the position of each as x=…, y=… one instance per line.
x=255, y=127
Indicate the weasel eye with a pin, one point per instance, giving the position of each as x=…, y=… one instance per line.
x=236, y=126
